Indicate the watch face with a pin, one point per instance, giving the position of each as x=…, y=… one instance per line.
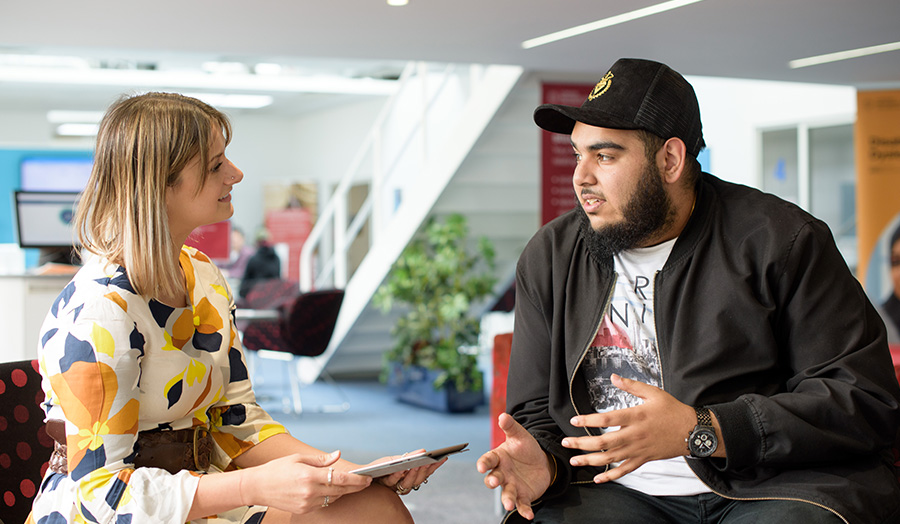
x=703, y=442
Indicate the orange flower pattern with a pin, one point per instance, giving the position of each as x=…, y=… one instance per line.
x=114, y=364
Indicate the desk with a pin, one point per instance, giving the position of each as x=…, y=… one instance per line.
x=256, y=315
x=26, y=299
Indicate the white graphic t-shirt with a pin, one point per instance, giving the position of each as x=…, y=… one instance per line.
x=626, y=345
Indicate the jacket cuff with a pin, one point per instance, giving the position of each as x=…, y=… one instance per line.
x=560, y=456
x=740, y=433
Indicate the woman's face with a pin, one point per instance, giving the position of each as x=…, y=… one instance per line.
x=190, y=206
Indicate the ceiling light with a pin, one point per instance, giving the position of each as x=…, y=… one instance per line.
x=77, y=129
x=843, y=55
x=177, y=80
x=606, y=22
x=397, y=3
x=58, y=116
x=233, y=100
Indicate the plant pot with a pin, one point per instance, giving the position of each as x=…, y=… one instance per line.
x=415, y=385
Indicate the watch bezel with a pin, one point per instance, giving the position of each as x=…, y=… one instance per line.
x=700, y=452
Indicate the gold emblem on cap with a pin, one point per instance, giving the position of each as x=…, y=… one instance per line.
x=601, y=86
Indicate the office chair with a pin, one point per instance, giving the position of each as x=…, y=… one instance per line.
x=25, y=447
x=302, y=327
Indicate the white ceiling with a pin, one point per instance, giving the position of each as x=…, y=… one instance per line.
x=730, y=38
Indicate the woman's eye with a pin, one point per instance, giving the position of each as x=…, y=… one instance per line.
x=217, y=166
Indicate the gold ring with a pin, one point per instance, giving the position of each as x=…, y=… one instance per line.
x=325, y=504
x=399, y=489
x=330, y=476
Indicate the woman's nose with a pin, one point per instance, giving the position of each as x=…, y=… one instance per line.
x=236, y=175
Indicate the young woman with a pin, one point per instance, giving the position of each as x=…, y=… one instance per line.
x=148, y=395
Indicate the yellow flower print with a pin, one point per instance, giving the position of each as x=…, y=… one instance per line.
x=220, y=290
x=196, y=371
x=103, y=341
x=86, y=392
x=92, y=438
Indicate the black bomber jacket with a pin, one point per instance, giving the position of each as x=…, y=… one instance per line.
x=758, y=318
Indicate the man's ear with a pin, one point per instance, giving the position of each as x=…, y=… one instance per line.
x=674, y=160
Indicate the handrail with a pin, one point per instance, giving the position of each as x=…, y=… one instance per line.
x=333, y=216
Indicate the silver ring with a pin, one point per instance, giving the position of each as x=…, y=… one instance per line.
x=330, y=475
x=325, y=504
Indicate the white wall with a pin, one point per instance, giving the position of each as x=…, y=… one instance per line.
x=733, y=110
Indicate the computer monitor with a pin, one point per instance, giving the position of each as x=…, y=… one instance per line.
x=44, y=219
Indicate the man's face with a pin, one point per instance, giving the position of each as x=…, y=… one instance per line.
x=619, y=190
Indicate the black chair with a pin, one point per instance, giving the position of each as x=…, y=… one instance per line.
x=25, y=447
x=300, y=326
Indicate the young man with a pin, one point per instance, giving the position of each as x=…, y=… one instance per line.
x=687, y=349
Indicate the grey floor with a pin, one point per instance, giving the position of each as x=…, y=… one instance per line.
x=375, y=425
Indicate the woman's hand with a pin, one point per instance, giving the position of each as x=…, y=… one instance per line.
x=300, y=483
x=403, y=482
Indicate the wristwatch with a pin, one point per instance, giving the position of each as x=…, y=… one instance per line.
x=703, y=441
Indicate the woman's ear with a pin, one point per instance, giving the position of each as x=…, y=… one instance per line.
x=674, y=160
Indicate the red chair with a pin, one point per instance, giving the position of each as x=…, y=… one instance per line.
x=25, y=447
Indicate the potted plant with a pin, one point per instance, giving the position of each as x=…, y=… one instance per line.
x=437, y=279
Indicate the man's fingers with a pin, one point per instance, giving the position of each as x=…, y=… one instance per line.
x=487, y=462
x=638, y=389
x=510, y=427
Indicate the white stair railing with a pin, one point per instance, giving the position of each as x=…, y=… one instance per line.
x=417, y=142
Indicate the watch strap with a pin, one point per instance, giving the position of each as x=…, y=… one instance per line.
x=704, y=417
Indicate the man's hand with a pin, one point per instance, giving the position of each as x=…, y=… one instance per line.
x=653, y=430
x=518, y=466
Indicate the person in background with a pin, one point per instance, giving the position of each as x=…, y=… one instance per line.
x=687, y=349
x=147, y=391
x=263, y=265
x=891, y=306
x=240, y=253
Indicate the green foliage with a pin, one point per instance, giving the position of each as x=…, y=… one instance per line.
x=438, y=279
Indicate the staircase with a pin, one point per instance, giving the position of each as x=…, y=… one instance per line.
x=450, y=141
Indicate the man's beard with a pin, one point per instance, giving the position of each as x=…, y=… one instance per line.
x=647, y=212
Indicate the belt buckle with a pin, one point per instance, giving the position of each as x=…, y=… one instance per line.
x=197, y=430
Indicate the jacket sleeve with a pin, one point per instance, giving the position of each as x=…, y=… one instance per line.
x=840, y=399
x=531, y=365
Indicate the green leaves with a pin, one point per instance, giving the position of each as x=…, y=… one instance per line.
x=438, y=277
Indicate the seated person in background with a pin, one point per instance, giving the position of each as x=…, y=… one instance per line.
x=687, y=349
x=240, y=254
x=140, y=352
x=263, y=265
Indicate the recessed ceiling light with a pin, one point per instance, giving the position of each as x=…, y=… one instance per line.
x=606, y=22
x=843, y=55
x=397, y=3
x=59, y=116
x=77, y=129
x=237, y=101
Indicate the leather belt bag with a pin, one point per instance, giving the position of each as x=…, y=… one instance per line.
x=172, y=450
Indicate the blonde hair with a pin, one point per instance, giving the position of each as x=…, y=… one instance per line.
x=143, y=144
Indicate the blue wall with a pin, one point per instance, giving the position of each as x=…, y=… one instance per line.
x=10, y=162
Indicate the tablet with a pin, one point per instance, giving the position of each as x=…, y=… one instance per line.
x=410, y=461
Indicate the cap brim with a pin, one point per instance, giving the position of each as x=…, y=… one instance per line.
x=561, y=119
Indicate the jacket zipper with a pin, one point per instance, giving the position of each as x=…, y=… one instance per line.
x=606, y=302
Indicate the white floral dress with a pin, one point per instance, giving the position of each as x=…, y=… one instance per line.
x=115, y=363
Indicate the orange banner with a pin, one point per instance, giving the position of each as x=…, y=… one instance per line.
x=877, y=185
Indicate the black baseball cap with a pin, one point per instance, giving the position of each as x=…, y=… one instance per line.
x=634, y=94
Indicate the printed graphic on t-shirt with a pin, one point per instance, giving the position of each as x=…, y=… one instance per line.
x=625, y=345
